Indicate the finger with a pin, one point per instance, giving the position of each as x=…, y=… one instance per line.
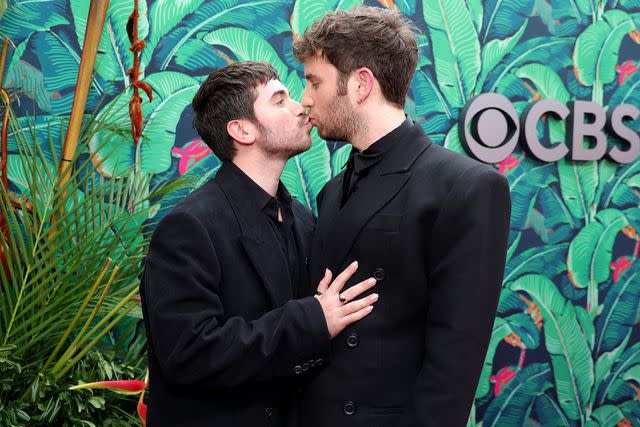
x=342, y=278
x=358, y=305
x=358, y=315
x=326, y=280
x=351, y=293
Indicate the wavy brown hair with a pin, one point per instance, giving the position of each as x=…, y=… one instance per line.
x=379, y=39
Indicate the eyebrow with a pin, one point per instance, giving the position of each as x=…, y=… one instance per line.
x=280, y=92
x=310, y=76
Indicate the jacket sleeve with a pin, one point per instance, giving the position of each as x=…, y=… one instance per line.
x=465, y=267
x=192, y=340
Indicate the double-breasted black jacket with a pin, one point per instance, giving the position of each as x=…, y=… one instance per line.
x=225, y=336
x=431, y=225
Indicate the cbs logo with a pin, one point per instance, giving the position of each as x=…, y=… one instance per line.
x=490, y=129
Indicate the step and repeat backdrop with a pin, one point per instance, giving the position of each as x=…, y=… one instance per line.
x=546, y=90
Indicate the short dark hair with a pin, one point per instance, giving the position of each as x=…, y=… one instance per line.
x=228, y=94
x=380, y=39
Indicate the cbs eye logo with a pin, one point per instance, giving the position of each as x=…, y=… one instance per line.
x=490, y=129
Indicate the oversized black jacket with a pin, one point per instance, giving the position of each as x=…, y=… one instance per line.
x=225, y=336
x=431, y=225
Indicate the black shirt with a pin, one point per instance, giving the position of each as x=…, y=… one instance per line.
x=268, y=205
x=359, y=164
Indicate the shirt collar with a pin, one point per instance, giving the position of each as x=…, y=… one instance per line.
x=255, y=193
x=376, y=151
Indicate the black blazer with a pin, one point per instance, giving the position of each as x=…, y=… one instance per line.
x=225, y=338
x=431, y=225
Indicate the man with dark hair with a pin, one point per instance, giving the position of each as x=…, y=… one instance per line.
x=226, y=338
x=429, y=224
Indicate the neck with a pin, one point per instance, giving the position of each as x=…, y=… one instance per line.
x=263, y=171
x=378, y=122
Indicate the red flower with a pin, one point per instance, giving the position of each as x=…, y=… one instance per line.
x=502, y=378
x=626, y=70
x=620, y=266
x=190, y=154
x=120, y=386
x=509, y=164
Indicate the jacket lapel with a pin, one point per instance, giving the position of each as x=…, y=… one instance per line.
x=262, y=248
x=268, y=260
x=339, y=227
x=345, y=226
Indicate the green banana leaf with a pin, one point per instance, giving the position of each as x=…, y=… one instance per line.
x=452, y=141
x=60, y=63
x=114, y=57
x=512, y=406
x=524, y=192
x=591, y=251
x=604, y=363
x=456, y=49
x=546, y=80
x=23, y=17
x=547, y=410
x=306, y=12
x=246, y=45
x=573, y=369
x=548, y=258
x=339, y=159
x=559, y=224
x=22, y=75
x=503, y=17
x=501, y=329
x=210, y=16
x=597, y=48
x=495, y=50
x=430, y=103
x=552, y=51
x=572, y=16
x=578, y=185
x=605, y=416
x=620, y=312
x=164, y=15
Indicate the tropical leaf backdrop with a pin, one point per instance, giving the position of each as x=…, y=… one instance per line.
x=565, y=349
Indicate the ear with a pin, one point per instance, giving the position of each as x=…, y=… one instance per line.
x=242, y=131
x=365, y=79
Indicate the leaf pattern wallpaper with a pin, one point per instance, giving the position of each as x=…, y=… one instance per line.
x=565, y=349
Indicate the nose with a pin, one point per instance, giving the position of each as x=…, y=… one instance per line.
x=297, y=108
x=307, y=101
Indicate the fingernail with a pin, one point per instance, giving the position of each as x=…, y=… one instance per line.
x=374, y=297
x=372, y=281
x=354, y=264
x=370, y=308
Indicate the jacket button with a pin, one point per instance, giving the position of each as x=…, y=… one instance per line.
x=305, y=367
x=297, y=369
x=378, y=274
x=307, y=261
x=349, y=408
x=312, y=363
x=352, y=340
x=268, y=412
x=319, y=362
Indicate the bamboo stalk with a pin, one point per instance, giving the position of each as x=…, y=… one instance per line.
x=95, y=24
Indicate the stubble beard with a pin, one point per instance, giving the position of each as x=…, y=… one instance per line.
x=341, y=123
x=280, y=146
